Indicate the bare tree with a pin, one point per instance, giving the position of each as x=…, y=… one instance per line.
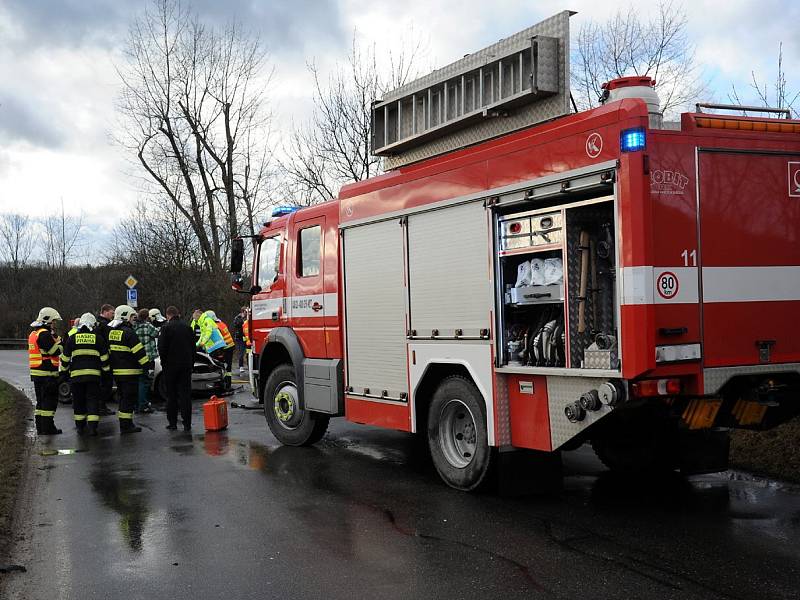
x=193, y=112
x=16, y=239
x=333, y=148
x=627, y=45
x=61, y=238
x=780, y=96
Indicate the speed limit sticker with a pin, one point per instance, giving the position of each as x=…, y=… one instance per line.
x=667, y=285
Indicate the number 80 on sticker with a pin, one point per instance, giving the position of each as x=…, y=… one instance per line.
x=667, y=285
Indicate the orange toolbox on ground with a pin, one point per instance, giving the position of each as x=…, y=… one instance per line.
x=215, y=414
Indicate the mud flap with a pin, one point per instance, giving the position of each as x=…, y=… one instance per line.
x=523, y=472
x=703, y=451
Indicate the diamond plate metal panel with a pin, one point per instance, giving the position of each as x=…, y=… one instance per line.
x=566, y=390
x=592, y=219
x=714, y=379
x=545, y=109
x=502, y=433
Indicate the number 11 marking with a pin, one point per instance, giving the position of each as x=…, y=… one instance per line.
x=687, y=255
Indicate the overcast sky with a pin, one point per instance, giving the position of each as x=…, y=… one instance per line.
x=58, y=80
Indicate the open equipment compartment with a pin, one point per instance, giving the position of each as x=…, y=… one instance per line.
x=557, y=275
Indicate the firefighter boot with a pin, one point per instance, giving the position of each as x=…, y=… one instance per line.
x=91, y=428
x=49, y=426
x=128, y=426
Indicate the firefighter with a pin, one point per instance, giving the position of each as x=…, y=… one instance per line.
x=128, y=360
x=44, y=348
x=84, y=360
x=195, y=324
x=211, y=340
x=156, y=318
x=247, y=342
x=107, y=385
x=227, y=352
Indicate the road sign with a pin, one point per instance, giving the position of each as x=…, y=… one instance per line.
x=131, y=281
x=133, y=297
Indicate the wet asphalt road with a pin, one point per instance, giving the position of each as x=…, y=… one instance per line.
x=361, y=515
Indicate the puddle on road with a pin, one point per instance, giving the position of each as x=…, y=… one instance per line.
x=60, y=451
x=242, y=453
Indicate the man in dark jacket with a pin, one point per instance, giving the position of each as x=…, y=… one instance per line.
x=176, y=347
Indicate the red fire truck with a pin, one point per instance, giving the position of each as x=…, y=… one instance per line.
x=602, y=277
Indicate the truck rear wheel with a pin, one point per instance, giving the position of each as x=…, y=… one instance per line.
x=457, y=435
x=289, y=423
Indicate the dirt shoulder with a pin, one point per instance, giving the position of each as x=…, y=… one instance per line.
x=15, y=409
x=774, y=453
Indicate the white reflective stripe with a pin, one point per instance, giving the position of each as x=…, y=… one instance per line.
x=751, y=284
x=677, y=352
x=302, y=306
x=298, y=306
x=637, y=285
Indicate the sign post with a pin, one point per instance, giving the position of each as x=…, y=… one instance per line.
x=133, y=293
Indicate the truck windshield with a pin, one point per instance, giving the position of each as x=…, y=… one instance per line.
x=268, y=261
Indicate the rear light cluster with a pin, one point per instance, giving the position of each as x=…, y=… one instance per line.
x=657, y=387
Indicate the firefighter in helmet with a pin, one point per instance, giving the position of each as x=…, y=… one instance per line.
x=156, y=318
x=128, y=360
x=44, y=348
x=227, y=352
x=84, y=360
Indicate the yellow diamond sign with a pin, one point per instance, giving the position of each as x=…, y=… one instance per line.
x=131, y=281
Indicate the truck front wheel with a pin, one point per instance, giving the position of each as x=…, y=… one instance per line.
x=457, y=436
x=292, y=425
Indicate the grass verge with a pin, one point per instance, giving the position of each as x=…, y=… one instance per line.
x=15, y=408
x=773, y=453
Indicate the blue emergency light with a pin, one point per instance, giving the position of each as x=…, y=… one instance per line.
x=280, y=211
x=633, y=140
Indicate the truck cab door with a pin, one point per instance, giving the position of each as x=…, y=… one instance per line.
x=307, y=307
x=268, y=308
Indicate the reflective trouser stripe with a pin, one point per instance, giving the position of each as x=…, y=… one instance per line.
x=39, y=373
x=44, y=413
x=144, y=360
x=79, y=417
x=80, y=372
x=127, y=371
x=124, y=415
x=104, y=357
x=106, y=368
x=93, y=418
x=65, y=358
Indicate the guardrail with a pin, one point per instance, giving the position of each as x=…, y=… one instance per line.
x=8, y=343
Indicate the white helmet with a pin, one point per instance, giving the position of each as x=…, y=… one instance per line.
x=155, y=315
x=124, y=313
x=87, y=321
x=46, y=316
x=212, y=315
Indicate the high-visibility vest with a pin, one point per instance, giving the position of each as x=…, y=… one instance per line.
x=210, y=337
x=246, y=332
x=226, y=334
x=41, y=364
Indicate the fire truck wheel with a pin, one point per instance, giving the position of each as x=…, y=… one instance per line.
x=457, y=435
x=289, y=423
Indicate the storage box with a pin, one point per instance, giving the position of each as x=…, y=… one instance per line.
x=215, y=414
x=537, y=294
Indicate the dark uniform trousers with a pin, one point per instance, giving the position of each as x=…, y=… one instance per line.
x=86, y=397
x=128, y=396
x=179, y=394
x=46, y=390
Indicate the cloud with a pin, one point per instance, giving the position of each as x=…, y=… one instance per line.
x=20, y=122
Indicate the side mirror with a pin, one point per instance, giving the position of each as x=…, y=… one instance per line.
x=236, y=282
x=237, y=255
x=256, y=289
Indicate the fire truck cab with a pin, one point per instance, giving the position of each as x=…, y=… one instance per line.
x=602, y=277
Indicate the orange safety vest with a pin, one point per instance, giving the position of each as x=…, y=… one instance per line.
x=226, y=335
x=246, y=332
x=36, y=359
